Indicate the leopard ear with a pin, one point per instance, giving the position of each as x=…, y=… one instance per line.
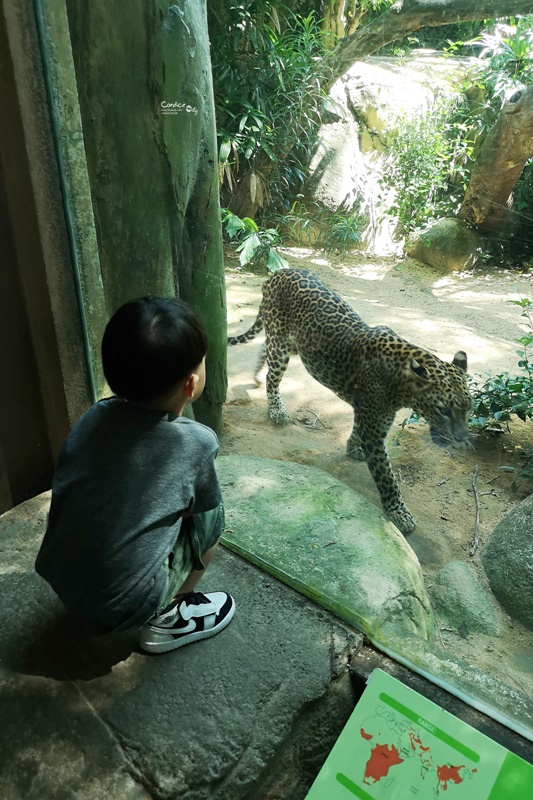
x=460, y=361
x=420, y=371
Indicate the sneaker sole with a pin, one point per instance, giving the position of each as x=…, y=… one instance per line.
x=189, y=638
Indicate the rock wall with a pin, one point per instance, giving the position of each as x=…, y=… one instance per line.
x=364, y=107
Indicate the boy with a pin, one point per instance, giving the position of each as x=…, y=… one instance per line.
x=136, y=510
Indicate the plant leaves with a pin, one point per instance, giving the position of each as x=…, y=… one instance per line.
x=275, y=261
x=225, y=150
x=248, y=248
x=234, y=225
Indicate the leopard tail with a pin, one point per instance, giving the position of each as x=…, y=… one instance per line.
x=256, y=328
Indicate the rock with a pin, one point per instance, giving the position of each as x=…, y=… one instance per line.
x=508, y=561
x=251, y=713
x=364, y=107
x=322, y=538
x=458, y=596
x=447, y=245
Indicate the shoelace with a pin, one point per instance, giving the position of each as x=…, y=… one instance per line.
x=192, y=598
x=168, y=614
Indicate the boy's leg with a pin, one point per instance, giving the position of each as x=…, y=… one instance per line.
x=184, y=615
x=194, y=550
x=191, y=582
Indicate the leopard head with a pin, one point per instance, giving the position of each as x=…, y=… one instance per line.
x=440, y=394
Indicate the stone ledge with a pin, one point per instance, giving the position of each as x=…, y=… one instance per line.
x=250, y=714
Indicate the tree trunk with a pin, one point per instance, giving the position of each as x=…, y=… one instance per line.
x=499, y=164
x=333, y=21
x=406, y=16
x=145, y=92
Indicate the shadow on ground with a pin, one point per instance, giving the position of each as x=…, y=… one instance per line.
x=38, y=637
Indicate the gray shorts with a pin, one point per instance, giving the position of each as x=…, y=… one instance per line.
x=198, y=534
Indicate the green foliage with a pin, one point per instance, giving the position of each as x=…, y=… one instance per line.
x=301, y=222
x=337, y=232
x=431, y=157
x=505, y=67
x=503, y=396
x=439, y=38
x=500, y=397
x=427, y=164
x=267, y=73
x=523, y=193
x=506, y=57
x=342, y=232
x=256, y=247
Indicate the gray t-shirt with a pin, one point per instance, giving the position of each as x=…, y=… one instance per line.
x=124, y=476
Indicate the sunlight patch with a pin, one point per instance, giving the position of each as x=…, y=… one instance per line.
x=368, y=271
x=468, y=295
x=444, y=281
x=427, y=325
x=299, y=252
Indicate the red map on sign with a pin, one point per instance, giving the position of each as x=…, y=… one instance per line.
x=446, y=774
x=382, y=758
x=389, y=751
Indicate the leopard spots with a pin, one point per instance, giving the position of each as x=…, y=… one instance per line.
x=371, y=368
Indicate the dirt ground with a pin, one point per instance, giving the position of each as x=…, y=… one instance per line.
x=443, y=313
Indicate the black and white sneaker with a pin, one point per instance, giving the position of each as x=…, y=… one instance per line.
x=189, y=617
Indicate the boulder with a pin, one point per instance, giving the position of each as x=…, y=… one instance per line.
x=508, y=561
x=458, y=596
x=363, y=108
x=86, y=717
x=447, y=245
x=323, y=539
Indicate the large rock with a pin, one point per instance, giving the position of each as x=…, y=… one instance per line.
x=251, y=713
x=508, y=562
x=322, y=538
x=458, y=596
x=447, y=245
x=364, y=107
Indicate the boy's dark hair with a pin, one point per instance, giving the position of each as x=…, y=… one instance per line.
x=150, y=345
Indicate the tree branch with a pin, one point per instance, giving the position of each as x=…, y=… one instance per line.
x=407, y=16
x=475, y=540
x=499, y=163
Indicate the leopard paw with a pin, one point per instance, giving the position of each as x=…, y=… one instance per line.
x=355, y=451
x=279, y=415
x=403, y=519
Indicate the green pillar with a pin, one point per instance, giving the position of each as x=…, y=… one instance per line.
x=143, y=73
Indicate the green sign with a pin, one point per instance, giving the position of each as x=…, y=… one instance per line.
x=397, y=745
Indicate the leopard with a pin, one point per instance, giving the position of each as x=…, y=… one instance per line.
x=372, y=369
